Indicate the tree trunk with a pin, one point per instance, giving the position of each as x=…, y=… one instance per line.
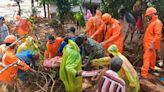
x=48, y=10
x=44, y=6
x=32, y=7
x=32, y=3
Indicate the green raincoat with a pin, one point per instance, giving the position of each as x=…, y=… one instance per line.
x=129, y=75
x=127, y=72
x=28, y=45
x=71, y=63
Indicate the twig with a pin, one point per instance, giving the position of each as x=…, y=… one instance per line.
x=40, y=86
x=5, y=68
x=52, y=83
x=59, y=88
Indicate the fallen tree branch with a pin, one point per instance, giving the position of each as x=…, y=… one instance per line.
x=40, y=87
x=52, y=83
x=152, y=70
x=6, y=67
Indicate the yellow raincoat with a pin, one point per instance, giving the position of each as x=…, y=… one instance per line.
x=127, y=72
x=27, y=45
x=71, y=63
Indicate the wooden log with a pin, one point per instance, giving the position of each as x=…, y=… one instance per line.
x=148, y=86
x=152, y=70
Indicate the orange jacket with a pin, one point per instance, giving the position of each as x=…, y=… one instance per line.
x=23, y=27
x=90, y=27
x=153, y=33
x=98, y=23
x=53, y=48
x=112, y=33
x=8, y=75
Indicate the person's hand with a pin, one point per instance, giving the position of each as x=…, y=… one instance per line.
x=102, y=43
x=151, y=47
x=26, y=67
x=78, y=73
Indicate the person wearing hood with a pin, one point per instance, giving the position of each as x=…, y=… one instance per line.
x=127, y=73
x=23, y=27
x=98, y=22
x=88, y=15
x=27, y=45
x=10, y=59
x=90, y=27
x=70, y=68
x=111, y=30
x=152, y=41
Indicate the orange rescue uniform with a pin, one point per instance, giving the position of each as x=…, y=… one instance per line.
x=8, y=75
x=152, y=35
x=98, y=21
x=23, y=27
x=112, y=33
x=90, y=27
x=53, y=48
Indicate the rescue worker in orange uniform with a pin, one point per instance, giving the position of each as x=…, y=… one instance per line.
x=111, y=30
x=7, y=76
x=52, y=45
x=98, y=22
x=23, y=27
x=151, y=41
x=90, y=27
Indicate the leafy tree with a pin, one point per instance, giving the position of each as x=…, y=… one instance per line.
x=113, y=6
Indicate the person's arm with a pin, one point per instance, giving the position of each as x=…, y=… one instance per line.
x=99, y=31
x=116, y=32
x=101, y=61
x=62, y=45
x=90, y=56
x=88, y=26
x=158, y=34
x=21, y=64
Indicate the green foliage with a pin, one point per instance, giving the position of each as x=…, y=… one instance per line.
x=112, y=6
x=159, y=5
x=64, y=10
x=47, y=1
x=79, y=17
x=75, y=2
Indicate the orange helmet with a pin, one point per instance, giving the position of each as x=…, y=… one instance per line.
x=10, y=39
x=150, y=10
x=106, y=17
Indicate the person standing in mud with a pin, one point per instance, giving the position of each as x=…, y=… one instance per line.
x=152, y=41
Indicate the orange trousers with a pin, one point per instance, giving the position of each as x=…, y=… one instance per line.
x=149, y=60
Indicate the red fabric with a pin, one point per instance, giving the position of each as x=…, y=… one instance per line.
x=139, y=23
